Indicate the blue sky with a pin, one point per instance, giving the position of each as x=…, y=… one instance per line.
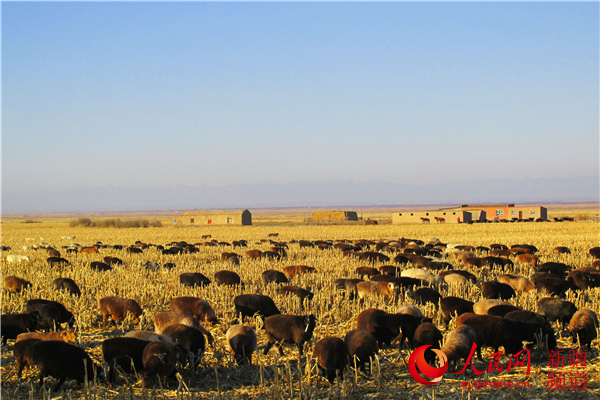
x=148, y=95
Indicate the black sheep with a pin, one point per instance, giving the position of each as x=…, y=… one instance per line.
x=529, y=324
x=123, y=351
x=250, y=304
x=193, y=279
x=67, y=284
x=557, y=310
x=494, y=332
x=272, y=275
x=451, y=306
x=332, y=357
x=363, y=345
x=497, y=290
x=64, y=315
x=13, y=324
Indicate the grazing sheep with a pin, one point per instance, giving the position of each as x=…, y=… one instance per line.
x=62, y=361
x=482, y=307
x=557, y=310
x=15, y=284
x=389, y=328
x=594, y=252
x=14, y=258
x=253, y=254
x=332, y=357
x=553, y=286
x=250, y=304
x=363, y=345
x=298, y=292
x=530, y=259
x=418, y=273
x=113, y=260
x=100, y=266
x=502, y=309
x=580, y=280
x=494, y=332
x=410, y=310
x=51, y=312
x=452, y=305
x=191, y=339
x=126, y=352
x=428, y=334
x=272, y=275
x=67, y=284
x=502, y=262
x=16, y=323
x=390, y=270
x=229, y=278
x=557, y=268
x=583, y=325
x=561, y=250
x=458, y=344
x=455, y=280
x=193, y=279
x=426, y=295
x=373, y=289
x=64, y=336
x=296, y=329
x=368, y=271
x=23, y=352
x=518, y=283
x=194, y=306
x=159, y=361
x=118, y=308
x=293, y=270
x=348, y=285
x=469, y=276
x=497, y=290
x=242, y=343
x=528, y=324
x=149, y=336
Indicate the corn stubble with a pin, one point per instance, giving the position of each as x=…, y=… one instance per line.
x=272, y=376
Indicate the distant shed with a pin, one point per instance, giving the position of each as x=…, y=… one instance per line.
x=334, y=216
x=216, y=217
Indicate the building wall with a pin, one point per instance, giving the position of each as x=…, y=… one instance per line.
x=325, y=215
x=449, y=216
x=211, y=218
x=509, y=211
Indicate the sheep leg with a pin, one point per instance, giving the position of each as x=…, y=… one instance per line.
x=268, y=347
x=300, y=348
x=60, y=382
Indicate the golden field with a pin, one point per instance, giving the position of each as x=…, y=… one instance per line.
x=272, y=376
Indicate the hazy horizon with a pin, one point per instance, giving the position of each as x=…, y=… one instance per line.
x=131, y=105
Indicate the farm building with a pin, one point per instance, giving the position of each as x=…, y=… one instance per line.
x=333, y=216
x=438, y=216
x=508, y=211
x=216, y=217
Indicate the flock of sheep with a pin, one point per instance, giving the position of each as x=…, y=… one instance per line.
x=415, y=267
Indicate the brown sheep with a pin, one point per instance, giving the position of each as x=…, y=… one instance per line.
x=332, y=357
x=165, y=319
x=368, y=271
x=583, y=326
x=348, y=285
x=373, y=289
x=561, y=250
x=272, y=275
x=159, y=361
x=527, y=258
x=89, y=250
x=63, y=336
x=518, y=283
x=298, y=292
x=458, y=344
x=293, y=270
x=390, y=270
x=253, y=254
x=242, y=343
x=229, y=278
x=15, y=284
x=195, y=306
x=389, y=328
x=118, y=308
x=296, y=329
x=410, y=310
x=363, y=345
x=16, y=323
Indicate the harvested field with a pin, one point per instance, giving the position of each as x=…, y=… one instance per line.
x=273, y=376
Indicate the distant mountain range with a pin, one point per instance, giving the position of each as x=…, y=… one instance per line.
x=324, y=194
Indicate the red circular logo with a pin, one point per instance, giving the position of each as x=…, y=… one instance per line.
x=417, y=359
